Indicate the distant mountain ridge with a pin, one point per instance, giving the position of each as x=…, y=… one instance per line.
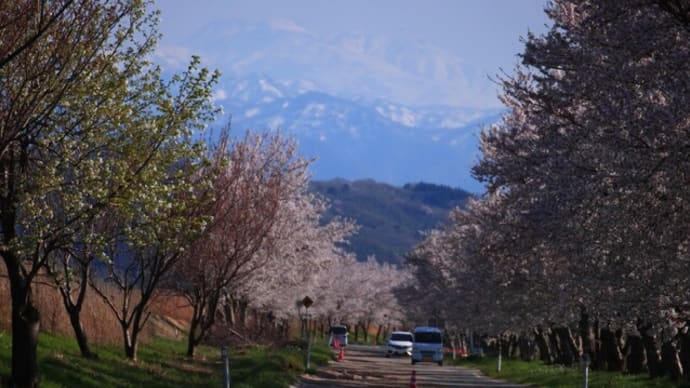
x=391, y=218
x=357, y=139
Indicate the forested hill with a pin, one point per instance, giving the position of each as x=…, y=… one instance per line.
x=390, y=218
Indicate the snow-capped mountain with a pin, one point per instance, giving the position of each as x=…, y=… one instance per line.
x=357, y=139
x=344, y=64
x=351, y=100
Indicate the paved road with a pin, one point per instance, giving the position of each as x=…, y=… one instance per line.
x=366, y=366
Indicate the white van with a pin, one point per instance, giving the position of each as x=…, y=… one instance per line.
x=428, y=345
x=338, y=335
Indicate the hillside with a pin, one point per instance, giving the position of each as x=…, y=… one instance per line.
x=391, y=218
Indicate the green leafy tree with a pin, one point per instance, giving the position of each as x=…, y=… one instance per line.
x=25, y=22
x=88, y=128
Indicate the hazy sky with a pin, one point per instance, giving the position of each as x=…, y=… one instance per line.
x=486, y=30
x=482, y=34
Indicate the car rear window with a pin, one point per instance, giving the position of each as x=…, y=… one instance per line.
x=428, y=337
x=338, y=330
x=401, y=337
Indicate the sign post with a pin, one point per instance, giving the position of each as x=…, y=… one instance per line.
x=307, y=302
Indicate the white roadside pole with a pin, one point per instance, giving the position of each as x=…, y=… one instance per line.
x=585, y=372
x=498, y=366
x=226, y=370
x=452, y=345
x=308, y=350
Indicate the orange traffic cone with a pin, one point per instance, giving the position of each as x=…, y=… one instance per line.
x=341, y=355
x=413, y=379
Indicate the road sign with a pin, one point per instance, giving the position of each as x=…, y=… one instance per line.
x=307, y=301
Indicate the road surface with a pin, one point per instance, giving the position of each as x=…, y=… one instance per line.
x=366, y=366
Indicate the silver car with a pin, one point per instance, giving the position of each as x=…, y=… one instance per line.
x=399, y=343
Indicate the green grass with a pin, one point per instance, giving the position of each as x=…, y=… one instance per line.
x=267, y=367
x=162, y=364
x=538, y=374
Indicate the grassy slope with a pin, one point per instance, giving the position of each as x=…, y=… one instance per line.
x=538, y=374
x=161, y=364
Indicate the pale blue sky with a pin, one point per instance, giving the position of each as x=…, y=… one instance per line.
x=487, y=30
x=480, y=36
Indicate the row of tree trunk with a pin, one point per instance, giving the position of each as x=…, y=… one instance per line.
x=605, y=347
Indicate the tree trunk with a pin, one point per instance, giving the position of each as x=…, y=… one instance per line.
x=286, y=329
x=621, y=345
x=229, y=307
x=652, y=351
x=378, y=333
x=587, y=335
x=596, y=362
x=526, y=348
x=242, y=316
x=505, y=345
x=130, y=343
x=636, y=360
x=568, y=348
x=131, y=350
x=74, y=312
x=555, y=345
x=684, y=353
x=487, y=345
x=514, y=346
x=670, y=360
x=540, y=338
x=610, y=351
x=257, y=320
x=603, y=349
x=25, y=327
x=195, y=329
x=80, y=334
x=133, y=328
x=191, y=338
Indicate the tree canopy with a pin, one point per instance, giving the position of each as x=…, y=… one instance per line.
x=586, y=203
x=88, y=129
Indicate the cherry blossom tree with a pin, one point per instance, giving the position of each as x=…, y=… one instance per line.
x=257, y=177
x=590, y=161
x=301, y=255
